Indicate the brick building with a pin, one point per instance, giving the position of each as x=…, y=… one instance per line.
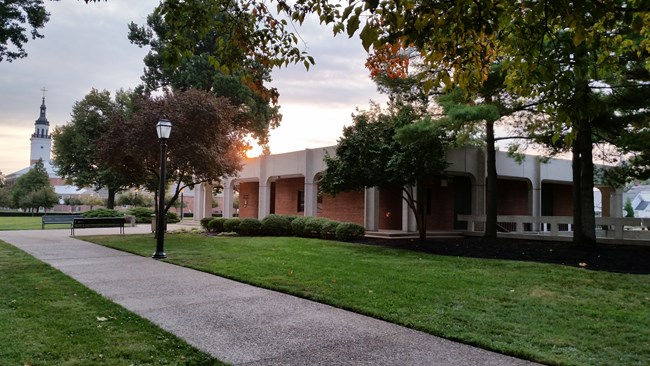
x=288, y=184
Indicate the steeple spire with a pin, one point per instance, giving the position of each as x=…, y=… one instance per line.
x=41, y=141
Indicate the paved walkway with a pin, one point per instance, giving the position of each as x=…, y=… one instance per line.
x=237, y=323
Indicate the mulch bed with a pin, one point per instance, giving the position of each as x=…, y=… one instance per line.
x=609, y=257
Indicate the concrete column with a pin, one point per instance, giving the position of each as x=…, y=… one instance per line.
x=311, y=198
x=409, y=224
x=371, y=210
x=228, y=193
x=203, y=201
x=536, y=194
x=478, y=207
x=616, y=203
x=198, y=203
x=264, y=207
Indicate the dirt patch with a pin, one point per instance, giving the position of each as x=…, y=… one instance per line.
x=611, y=258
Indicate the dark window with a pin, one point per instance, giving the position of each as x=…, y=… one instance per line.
x=301, y=201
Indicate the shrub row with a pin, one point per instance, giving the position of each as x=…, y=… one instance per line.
x=142, y=214
x=280, y=225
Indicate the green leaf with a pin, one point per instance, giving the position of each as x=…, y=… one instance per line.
x=353, y=25
x=368, y=36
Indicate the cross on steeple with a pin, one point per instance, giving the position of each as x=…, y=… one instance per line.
x=43, y=90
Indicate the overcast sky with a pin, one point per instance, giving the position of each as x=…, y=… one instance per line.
x=86, y=46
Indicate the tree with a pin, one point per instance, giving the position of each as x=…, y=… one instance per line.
x=72, y=202
x=135, y=199
x=92, y=201
x=243, y=85
x=204, y=146
x=556, y=52
x=5, y=197
x=33, y=189
x=629, y=210
x=15, y=17
x=75, y=144
x=399, y=148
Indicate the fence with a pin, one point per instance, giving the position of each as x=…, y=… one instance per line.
x=627, y=228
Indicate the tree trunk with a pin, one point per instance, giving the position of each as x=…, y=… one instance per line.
x=584, y=220
x=110, y=201
x=491, y=189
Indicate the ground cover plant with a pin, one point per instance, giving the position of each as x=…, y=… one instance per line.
x=46, y=318
x=549, y=313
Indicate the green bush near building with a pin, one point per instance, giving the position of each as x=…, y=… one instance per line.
x=276, y=225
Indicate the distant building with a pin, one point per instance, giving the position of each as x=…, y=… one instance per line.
x=639, y=196
x=41, y=148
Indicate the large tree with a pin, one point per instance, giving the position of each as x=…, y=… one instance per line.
x=75, y=143
x=553, y=50
x=394, y=148
x=226, y=47
x=16, y=16
x=204, y=146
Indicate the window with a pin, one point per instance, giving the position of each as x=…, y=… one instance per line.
x=301, y=201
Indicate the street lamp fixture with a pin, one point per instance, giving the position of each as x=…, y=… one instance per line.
x=164, y=129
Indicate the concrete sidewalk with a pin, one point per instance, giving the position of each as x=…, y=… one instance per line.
x=237, y=323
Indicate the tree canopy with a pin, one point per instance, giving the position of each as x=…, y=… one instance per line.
x=33, y=189
x=204, y=146
x=554, y=52
x=218, y=60
x=394, y=148
x=21, y=20
x=75, y=144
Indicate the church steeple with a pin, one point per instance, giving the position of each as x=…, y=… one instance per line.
x=41, y=142
x=42, y=125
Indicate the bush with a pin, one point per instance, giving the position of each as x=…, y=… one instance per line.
x=347, y=231
x=249, y=227
x=291, y=218
x=172, y=217
x=204, y=223
x=142, y=214
x=276, y=225
x=328, y=230
x=231, y=225
x=103, y=212
x=298, y=226
x=313, y=226
x=215, y=224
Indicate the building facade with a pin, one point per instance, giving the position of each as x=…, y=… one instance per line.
x=288, y=184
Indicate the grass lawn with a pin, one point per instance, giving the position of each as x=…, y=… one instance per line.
x=46, y=318
x=27, y=223
x=547, y=313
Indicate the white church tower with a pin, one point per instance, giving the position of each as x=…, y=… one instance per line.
x=41, y=141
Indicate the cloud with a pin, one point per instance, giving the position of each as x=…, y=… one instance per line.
x=86, y=46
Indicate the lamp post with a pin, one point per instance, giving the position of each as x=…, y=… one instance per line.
x=182, y=203
x=163, y=128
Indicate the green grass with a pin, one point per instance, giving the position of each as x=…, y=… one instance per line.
x=46, y=318
x=546, y=313
x=27, y=223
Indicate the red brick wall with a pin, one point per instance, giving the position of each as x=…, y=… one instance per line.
x=390, y=208
x=442, y=205
x=345, y=207
x=251, y=189
x=286, y=195
x=562, y=200
x=512, y=197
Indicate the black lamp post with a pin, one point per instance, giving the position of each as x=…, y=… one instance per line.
x=182, y=203
x=163, y=128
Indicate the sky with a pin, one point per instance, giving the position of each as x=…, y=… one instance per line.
x=86, y=46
